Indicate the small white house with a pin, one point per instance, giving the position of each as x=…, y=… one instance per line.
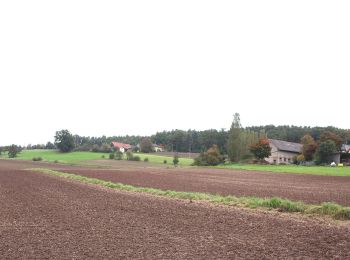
x=158, y=148
x=121, y=147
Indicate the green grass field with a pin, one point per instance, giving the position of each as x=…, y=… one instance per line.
x=160, y=159
x=76, y=157
x=53, y=155
x=314, y=170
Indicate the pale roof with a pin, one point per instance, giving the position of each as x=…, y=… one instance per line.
x=286, y=146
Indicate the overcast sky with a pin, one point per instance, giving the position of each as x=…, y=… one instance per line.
x=138, y=67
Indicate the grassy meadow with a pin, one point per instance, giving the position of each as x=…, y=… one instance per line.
x=297, y=169
x=76, y=157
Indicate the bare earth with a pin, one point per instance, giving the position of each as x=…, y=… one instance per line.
x=308, y=188
x=44, y=217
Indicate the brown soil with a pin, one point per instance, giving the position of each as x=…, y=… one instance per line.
x=44, y=217
x=307, y=188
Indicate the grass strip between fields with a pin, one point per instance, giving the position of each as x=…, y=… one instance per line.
x=283, y=205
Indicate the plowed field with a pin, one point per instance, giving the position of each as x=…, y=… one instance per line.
x=307, y=188
x=45, y=217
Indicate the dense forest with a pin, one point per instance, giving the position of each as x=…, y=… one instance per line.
x=198, y=141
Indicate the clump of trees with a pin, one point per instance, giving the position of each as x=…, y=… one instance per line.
x=261, y=149
x=309, y=148
x=146, y=145
x=64, y=141
x=240, y=140
x=325, y=150
x=13, y=150
x=321, y=151
x=104, y=148
x=211, y=157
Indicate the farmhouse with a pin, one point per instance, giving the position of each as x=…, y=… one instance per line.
x=120, y=147
x=283, y=152
x=158, y=148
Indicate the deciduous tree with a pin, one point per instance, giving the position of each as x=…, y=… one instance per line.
x=146, y=145
x=261, y=149
x=325, y=150
x=64, y=141
x=13, y=150
x=309, y=147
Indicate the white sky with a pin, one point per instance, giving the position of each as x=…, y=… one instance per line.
x=138, y=67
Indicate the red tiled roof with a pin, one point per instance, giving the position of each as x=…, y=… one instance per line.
x=121, y=145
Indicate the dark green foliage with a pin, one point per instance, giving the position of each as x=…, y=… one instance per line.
x=261, y=149
x=95, y=148
x=64, y=141
x=37, y=159
x=129, y=155
x=118, y=155
x=136, y=158
x=210, y=158
x=50, y=146
x=103, y=156
x=165, y=161
x=146, y=145
x=111, y=156
x=199, y=141
x=234, y=140
x=176, y=160
x=146, y=159
x=13, y=150
x=309, y=147
x=104, y=148
x=327, y=135
x=324, y=151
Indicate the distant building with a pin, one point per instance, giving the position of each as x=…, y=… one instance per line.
x=345, y=154
x=120, y=147
x=158, y=148
x=283, y=152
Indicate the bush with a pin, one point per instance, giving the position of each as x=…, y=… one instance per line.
x=13, y=150
x=119, y=155
x=55, y=161
x=36, y=159
x=95, y=148
x=176, y=160
x=210, y=158
x=136, y=158
x=129, y=155
x=165, y=162
x=145, y=160
x=103, y=156
x=111, y=156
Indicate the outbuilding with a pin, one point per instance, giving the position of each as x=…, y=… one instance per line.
x=283, y=151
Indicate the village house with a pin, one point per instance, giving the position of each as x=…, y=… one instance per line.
x=158, y=148
x=120, y=147
x=283, y=151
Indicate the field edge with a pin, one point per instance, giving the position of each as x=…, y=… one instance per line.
x=326, y=209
